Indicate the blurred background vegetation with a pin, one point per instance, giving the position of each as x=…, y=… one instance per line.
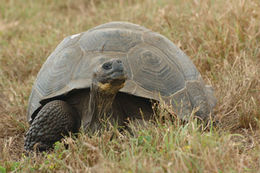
x=221, y=37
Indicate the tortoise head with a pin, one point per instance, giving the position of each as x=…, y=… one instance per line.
x=110, y=76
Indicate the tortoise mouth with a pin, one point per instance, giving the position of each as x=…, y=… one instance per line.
x=114, y=78
x=117, y=82
x=112, y=82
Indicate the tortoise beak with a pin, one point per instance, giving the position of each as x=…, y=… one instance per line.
x=112, y=86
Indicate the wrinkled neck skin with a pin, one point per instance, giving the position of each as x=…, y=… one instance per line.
x=99, y=108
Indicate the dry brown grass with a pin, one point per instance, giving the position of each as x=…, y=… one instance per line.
x=221, y=37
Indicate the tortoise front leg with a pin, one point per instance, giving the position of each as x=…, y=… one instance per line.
x=54, y=120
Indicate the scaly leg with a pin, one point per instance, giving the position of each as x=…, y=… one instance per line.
x=55, y=120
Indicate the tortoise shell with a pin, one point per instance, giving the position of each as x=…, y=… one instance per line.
x=156, y=68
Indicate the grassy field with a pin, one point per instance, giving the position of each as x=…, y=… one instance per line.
x=221, y=37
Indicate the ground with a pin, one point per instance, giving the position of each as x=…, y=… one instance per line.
x=221, y=37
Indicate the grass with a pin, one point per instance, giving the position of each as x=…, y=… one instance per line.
x=221, y=37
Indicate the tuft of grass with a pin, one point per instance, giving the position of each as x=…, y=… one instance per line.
x=221, y=37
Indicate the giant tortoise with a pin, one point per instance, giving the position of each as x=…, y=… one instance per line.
x=114, y=71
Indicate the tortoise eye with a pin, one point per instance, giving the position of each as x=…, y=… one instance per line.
x=107, y=66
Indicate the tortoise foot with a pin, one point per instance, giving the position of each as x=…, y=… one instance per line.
x=54, y=121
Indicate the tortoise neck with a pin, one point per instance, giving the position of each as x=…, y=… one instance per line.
x=99, y=108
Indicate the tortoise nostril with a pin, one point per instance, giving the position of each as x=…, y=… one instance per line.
x=119, y=61
x=107, y=65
